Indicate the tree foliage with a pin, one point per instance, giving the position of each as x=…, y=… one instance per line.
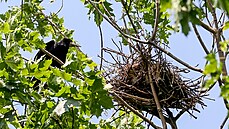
x=78, y=91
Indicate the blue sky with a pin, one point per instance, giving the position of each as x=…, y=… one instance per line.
x=186, y=48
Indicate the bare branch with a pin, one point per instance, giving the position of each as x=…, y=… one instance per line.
x=156, y=20
x=52, y=56
x=200, y=39
x=224, y=122
x=128, y=15
x=61, y=7
x=159, y=109
x=175, y=58
x=101, y=46
x=208, y=28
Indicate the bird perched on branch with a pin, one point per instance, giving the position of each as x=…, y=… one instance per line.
x=59, y=50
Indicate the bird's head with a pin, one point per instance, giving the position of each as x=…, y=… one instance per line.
x=66, y=42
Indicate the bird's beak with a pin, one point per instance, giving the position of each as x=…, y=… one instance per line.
x=73, y=44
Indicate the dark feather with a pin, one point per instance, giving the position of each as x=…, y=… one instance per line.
x=59, y=50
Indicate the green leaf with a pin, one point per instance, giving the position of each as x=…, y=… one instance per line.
x=226, y=25
x=34, y=35
x=6, y=28
x=225, y=88
x=225, y=5
x=62, y=74
x=210, y=68
x=106, y=102
x=50, y=104
x=89, y=81
x=44, y=117
x=36, y=96
x=47, y=63
x=61, y=91
x=23, y=98
x=185, y=25
x=67, y=76
x=73, y=102
x=24, y=72
x=224, y=45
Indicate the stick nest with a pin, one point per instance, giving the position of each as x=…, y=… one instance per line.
x=133, y=79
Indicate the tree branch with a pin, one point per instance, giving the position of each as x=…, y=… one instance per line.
x=156, y=20
x=52, y=56
x=217, y=38
x=208, y=28
x=155, y=97
x=101, y=46
x=175, y=58
x=200, y=39
x=224, y=122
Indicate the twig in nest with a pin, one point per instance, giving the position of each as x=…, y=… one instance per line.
x=135, y=111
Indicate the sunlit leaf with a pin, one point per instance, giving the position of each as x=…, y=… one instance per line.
x=6, y=28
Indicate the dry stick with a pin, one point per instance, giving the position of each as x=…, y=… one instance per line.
x=125, y=24
x=113, y=51
x=156, y=20
x=206, y=13
x=200, y=39
x=159, y=109
x=207, y=27
x=171, y=118
x=101, y=51
x=129, y=17
x=224, y=122
x=61, y=7
x=135, y=111
x=175, y=58
x=52, y=56
x=180, y=114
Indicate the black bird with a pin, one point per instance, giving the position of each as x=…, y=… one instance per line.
x=59, y=50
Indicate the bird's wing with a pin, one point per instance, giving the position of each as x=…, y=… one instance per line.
x=48, y=47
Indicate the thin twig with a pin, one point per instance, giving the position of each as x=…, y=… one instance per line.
x=175, y=58
x=101, y=47
x=113, y=51
x=129, y=17
x=207, y=27
x=206, y=13
x=52, y=56
x=61, y=7
x=156, y=20
x=224, y=122
x=57, y=122
x=200, y=39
